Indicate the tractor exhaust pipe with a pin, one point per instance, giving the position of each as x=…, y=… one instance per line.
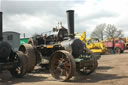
x=1, y=36
x=70, y=20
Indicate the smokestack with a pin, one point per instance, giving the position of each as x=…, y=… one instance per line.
x=70, y=20
x=1, y=37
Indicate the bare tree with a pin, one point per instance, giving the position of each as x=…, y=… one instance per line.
x=99, y=32
x=106, y=31
x=112, y=32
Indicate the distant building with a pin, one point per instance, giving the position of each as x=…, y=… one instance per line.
x=23, y=41
x=13, y=38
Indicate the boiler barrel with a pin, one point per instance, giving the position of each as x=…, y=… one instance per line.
x=74, y=46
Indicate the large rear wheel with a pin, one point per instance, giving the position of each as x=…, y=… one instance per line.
x=30, y=41
x=29, y=51
x=62, y=65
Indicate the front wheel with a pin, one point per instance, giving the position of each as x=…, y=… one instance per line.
x=117, y=50
x=87, y=70
x=20, y=69
x=62, y=65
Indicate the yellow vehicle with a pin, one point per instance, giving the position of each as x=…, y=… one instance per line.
x=95, y=45
x=126, y=42
x=92, y=44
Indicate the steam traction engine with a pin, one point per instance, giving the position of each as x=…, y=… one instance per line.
x=15, y=62
x=61, y=52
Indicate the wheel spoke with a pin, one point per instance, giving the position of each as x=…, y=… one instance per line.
x=57, y=72
x=61, y=72
x=67, y=66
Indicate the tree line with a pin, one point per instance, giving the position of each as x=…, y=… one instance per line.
x=106, y=31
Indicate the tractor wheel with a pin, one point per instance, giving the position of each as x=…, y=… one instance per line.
x=62, y=65
x=21, y=68
x=29, y=51
x=30, y=41
x=117, y=50
x=38, y=54
x=88, y=69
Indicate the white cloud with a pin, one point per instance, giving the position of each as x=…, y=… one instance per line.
x=31, y=24
x=103, y=11
x=40, y=16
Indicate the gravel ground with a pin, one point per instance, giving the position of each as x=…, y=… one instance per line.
x=112, y=70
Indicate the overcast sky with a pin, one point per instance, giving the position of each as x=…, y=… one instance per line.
x=37, y=16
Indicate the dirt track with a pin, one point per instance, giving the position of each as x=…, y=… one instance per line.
x=112, y=70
